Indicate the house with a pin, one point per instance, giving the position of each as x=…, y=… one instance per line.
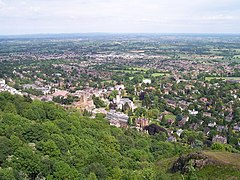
x=141, y=123
x=119, y=87
x=222, y=128
x=171, y=103
x=219, y=139
x=183, y=121
x=47, y=98
x=147, y=81
x=229, y=117
x=166, y=91
x=170, y=121
x=194, y=126
x=115, y=123
x=172, y=139
x=2, y=81
x=206, y=130
x=193, y=112
x=179, y=132
x=88, y=104
x=204, y=100
x=236, y=127
x=212, y=124
x=207, y=114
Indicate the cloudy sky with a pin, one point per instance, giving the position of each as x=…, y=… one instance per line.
x=119, y=16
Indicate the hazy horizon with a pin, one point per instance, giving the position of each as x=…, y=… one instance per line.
x=27, y=17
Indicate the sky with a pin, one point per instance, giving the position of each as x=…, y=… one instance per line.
x=119, y=16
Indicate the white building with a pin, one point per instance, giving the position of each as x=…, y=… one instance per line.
x=147, y=81
x=120, y=102
x=179, y=132
x=119, y=87
x=2, y=82
x=193, y=112
x=117, y=116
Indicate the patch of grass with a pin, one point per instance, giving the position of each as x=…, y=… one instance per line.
x=218, y=172
x=140, y=69
x=224, y=78
x=224, y=157
x=108, y=81
x=159, y=74
x=126, y=71
x=170, y=116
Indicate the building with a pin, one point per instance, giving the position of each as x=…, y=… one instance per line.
x=141, y=123
x=193, y=112
x=5, y=87
x=219, y=139
x=2, y=82
x=147, y=81
x=119, y=87
x=60, y=93
x=120, y=102
x=115, y=117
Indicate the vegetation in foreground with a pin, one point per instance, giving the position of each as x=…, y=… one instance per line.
x=42, y=140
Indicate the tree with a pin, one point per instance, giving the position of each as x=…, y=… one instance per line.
x=113, y=94
x=147, y=101
x=98, y=102
x=5, y=149
x=27, y=161
x=153, y=113
x=63, y=171
x=10, y=108
x=6, y=174
x=98, y=169
x=49, y=148
x=140, y=112
x=92, y=176
x=126, y=107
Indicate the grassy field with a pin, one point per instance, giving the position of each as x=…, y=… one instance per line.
x=226, y=158
x=137, y=70
x=170, y=116
x=227, y=166
x=224, y=78
x=126, y=71
x=140, y=69
x=159, y=74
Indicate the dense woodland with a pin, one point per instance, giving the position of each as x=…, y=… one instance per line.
x=43, y=140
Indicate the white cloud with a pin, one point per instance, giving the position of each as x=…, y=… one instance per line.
x=36, y=16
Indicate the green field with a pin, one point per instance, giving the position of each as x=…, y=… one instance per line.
x=170, y=116
x=126, y=71
x=134, y=70
x=225, y=158
x=159, y=74
x=224, y=78
x=108, y=81
x=140, y=69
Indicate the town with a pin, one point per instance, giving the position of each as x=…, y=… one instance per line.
x=189, y=88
